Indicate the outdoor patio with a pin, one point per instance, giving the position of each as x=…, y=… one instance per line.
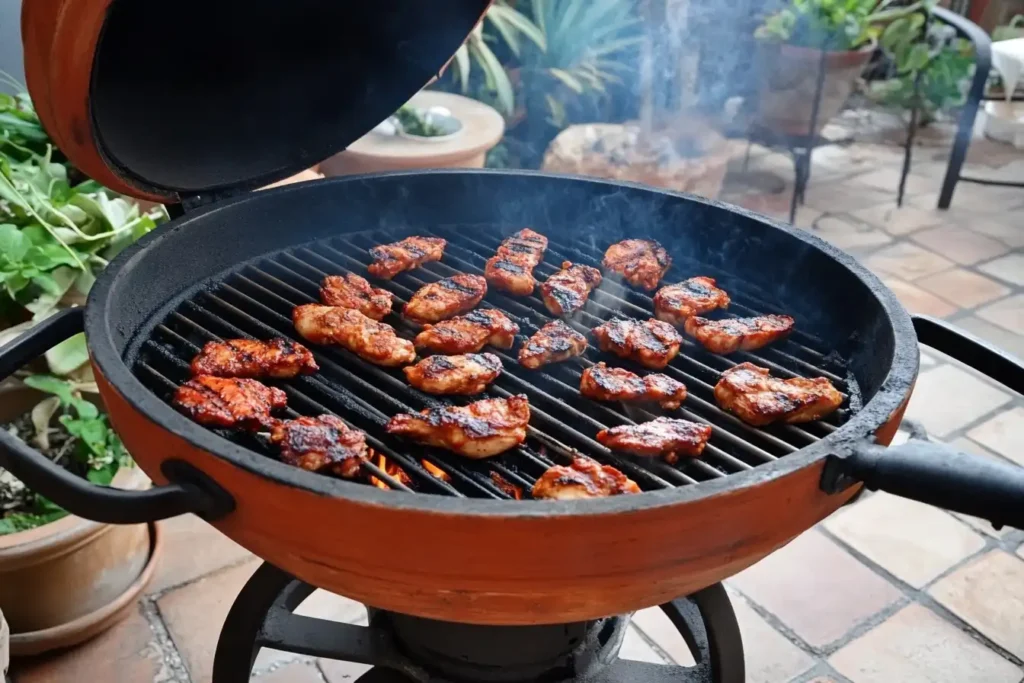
x=884, y=591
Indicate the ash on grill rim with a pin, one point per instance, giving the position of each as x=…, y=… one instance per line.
x=887, y=398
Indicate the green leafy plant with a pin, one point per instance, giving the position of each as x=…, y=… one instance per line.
x=833, y=25
x=589, y=47
x=511, y=27
x=57, y=229
x=84, y=444
x=414, y=122
x=931, y=66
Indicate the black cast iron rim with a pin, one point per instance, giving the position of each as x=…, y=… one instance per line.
x=860, y=427
x=262, y=616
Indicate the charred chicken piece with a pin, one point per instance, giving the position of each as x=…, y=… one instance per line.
x=758, y=399
x=652, y=343
x=281, y=358
x=229, y=402
x=663, y=436
x=465, y=375
x=391, y=259
x=696, y=296
x=566, y=291
x=641, y=262
x=738, y=334
x=479, y=430
x=469, y=333
x=584, y=478
x=553, y=343
x=352, y=291
x=618, y=384
x=321, y=444
x=369, y=339
x=445, y=298
x=511, y=267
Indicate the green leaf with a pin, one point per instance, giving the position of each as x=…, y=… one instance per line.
x=13, y=243
x=568, y=79
x=61, y=279
x=52, y=385
x=918, y=57
x=102, y=476
x=67, y=356
x=24, y=521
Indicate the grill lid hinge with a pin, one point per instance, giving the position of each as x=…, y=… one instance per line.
x=191, y=202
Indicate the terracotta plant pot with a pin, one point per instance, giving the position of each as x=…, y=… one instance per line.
x=786, y=98
x=69, y=580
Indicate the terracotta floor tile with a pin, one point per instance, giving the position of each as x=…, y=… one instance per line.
x=988, y=593
x=1001, y=337
x=897, y=220
x=296, y=672
x=947, y=398
x=195, y=613
x=1003, y=434
x=841, y=197
x=1009, y=268
x=816, y=588
x=324, y=605
x=913, y=542
x=1020, y=551
x=907, y=261
x=636, y=648
x=1000, y=227
x=917, y=300
x=917, y=646
x=770, y=658
x=888, y=180
x=806, y=216
x=341, y=672
x=193, y=548
x=127, y=653
x=659, y=629
x=959, y=244
x=848, y=234
x=1008, y=314
x=963, y=287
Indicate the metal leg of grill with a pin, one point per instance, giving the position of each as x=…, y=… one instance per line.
x=262, y=616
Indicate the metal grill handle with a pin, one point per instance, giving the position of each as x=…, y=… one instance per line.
x=192, y=491
x=934, y=473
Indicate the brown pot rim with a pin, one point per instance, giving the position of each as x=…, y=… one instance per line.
x=834, y=58
x=90, y=625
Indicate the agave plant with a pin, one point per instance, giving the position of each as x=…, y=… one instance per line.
x=512, y=26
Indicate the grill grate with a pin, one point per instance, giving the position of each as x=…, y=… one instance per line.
x=256, y=301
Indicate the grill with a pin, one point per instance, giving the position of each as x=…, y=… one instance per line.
x=256, y=301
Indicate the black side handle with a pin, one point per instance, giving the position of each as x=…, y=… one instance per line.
x=192, y=490
x=934, y=473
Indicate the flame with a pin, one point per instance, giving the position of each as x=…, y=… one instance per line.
x=435, y=471
x=507, y=486
x=391, y=469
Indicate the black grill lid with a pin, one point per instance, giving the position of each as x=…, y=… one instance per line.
x=198, y=96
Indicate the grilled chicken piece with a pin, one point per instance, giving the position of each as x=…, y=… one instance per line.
x=511, y=267
x=321, y=444
x=663, y=436
x=652, y=343
x=371, y=340
x=466, y=375
x=584, y=478
x=696, y=296
x=641, y=262
x=618, y=384
x=479, y=430
x=391, y=259
x=553, y=343
x=738, y=334
x=278, y=357
x=566, y=291
x=229, y=402
x=445, y=298
x=352, y=291
x=469, y=333
x=758, y=399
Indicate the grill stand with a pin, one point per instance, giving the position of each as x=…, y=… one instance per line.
x=405, y=649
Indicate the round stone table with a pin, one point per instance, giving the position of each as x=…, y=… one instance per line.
x=482, y=129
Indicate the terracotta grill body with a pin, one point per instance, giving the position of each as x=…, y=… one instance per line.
x=216, y=134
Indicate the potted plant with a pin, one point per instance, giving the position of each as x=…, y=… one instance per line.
x=801, y=39
x=64, y=579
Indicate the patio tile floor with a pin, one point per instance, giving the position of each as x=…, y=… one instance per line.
x=885, y=591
